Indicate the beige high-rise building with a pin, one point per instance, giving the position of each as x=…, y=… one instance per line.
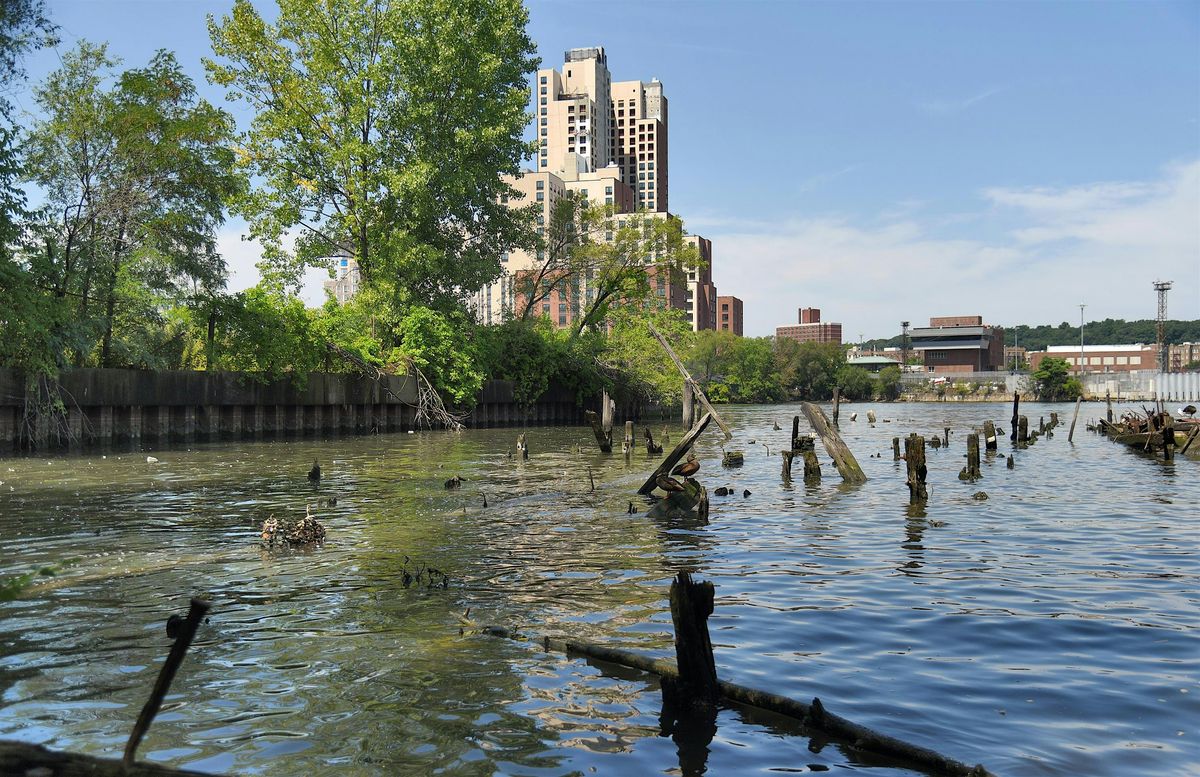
x=585, y=123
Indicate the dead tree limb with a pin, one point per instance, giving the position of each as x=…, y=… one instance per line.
x=429, y=406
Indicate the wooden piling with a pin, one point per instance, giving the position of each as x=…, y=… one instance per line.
x=603, y=439
x=1053, y=420
x=522, y=446
x=914, y=456
x=971, y=471
x=1108, y=402
x=1016, y=409
x=787, y=455
x=689, y=381
x=1023, y=430
x=1168, y=441
x=989, y=435
x=870, y=416
x=1041, y=425
x=807, y=447
x=691, y=604
x=689, y=405
x=895, y=449
x=837, y=402
x=1071, y=434
x=843, y=457
x=795, y=430
x=946, y=436
x=627, y=444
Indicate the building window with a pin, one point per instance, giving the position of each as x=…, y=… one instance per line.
x=541, y=196
x=543, y=79
x=540, y=185
x=608, y=190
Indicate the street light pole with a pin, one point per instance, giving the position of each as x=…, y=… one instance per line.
x=1081, y=307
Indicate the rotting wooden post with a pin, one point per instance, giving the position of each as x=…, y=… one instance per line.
x=1041, y=425
x=687, y=379
x=1168, y=441
x=187, y=633
x=691, y=604
x=807, y=446
x=689, y=405
x=627, y=445
x=989, y=435
x=946, y=436
x=795, y=430
x=843, y=458
x=676, y=454
x=607, y=408
x=522, y=446
x=603, y=439
x=1022, y=431
x=895, y=449
x=1053, y=420
x=787, y=463
x=1016, y=409
x=914, y=456
x=1071, y=434
x=971, y=471
x=837, y=404
x=870, y=416
x=1108, y=402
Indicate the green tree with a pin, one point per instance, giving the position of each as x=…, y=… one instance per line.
x=808, y=370
x=1053, y=382
x=855, y=382
x=890, y=381
x=710, y=355
x=382, y=130
x=751, y=374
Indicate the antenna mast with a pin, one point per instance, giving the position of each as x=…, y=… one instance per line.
x=1162, y=287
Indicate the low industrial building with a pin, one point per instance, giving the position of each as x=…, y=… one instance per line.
x=953, y=344
x=1100, y=358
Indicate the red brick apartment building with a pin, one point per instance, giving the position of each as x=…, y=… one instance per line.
x=729, y=315
x=811, y=329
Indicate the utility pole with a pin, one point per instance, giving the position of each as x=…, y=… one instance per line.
x=1160, y=324
x=1081, y=307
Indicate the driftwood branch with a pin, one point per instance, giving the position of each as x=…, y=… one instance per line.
x=675, y=455
x=813, y=716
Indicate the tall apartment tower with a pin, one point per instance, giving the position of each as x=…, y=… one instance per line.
x=585, y=122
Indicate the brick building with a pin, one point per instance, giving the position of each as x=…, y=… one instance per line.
x=729, y=315
x=811, y=329
x=959, y=344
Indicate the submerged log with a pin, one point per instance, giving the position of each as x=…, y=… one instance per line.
x=843, y=457
x=814, y=717
x=21, y=758
x=676, y=454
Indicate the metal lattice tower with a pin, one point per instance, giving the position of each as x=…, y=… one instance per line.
x=1160, y=325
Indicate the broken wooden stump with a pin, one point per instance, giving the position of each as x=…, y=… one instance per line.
x=989, y=435
x=914, y=456
x=627, y=443
x=795, y=430
x=696, y=686
x=1071, y=434
x=1053, y=420
x=895, y=449
x=603, y=438
x=652, y=449
x=1041, y=425
x=946, y=436
x=187, y=632
x=689, y=503
x=732, y=458
x=971, y=471
x=870, y=416
x=676, y=454
x=807, y=447
x=1108, y=402
x=522, y=446
x=1022, y=431
x=837, y=403
x=689, y=405
x=935, y=442
x=787, y=455
x=843, y=458
x=1011, y=464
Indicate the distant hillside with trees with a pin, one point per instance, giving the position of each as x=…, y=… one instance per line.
x=1110, y=331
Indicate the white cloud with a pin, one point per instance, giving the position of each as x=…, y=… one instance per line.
x=1100, y=244
x=947, y=107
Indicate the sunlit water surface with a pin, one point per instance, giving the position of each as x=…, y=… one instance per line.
x=1050, y=629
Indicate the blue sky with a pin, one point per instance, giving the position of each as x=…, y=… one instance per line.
x=881, y=161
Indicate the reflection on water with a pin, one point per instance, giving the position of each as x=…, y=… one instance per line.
x=1053, y=624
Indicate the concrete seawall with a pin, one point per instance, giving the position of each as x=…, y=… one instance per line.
x=134, y=407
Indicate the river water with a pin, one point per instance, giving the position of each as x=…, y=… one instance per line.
x=1051, y=629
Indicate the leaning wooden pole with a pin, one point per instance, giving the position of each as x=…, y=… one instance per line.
x=813, y=716
x=687, y=379
x=1071, y=434
x=843, y=458
x=676, y=454
x=179, y=649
